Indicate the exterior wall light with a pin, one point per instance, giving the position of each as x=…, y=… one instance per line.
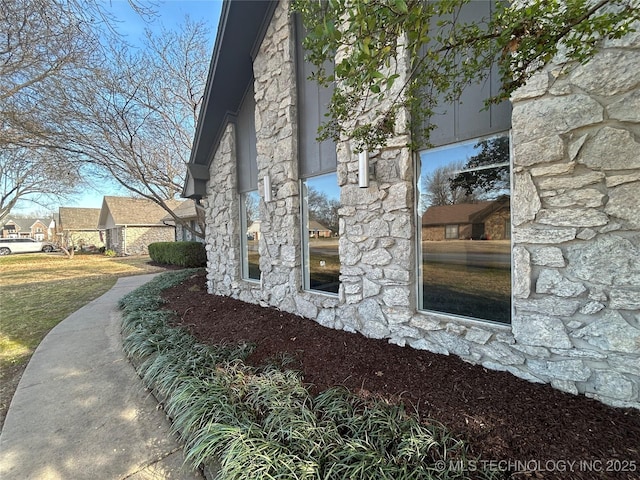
x=267, y=188
x=363, y=169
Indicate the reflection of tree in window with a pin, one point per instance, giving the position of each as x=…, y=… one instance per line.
x=486, y=174
x=251, y=204
x=438, y=190
x=464, y=195
x=323, y=209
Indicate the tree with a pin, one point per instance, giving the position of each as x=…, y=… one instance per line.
x=32, y=174
x=44, y=47
x=47, y=47
x=374, y=37
x=323, y=209
x=487, y=172
x=79, y=95
x=134, y=117
x=438, y=190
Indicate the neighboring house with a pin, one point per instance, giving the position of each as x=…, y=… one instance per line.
x=78, y=227
x=317, y=230
x=186, y=212
x=253, y=231
x=28, y=228
x=559, y=305
x=468, y=221
x=131, y=224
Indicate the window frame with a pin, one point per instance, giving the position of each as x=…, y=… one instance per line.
x=305, y=238
x=245, y=271
x=418, y=236
x=447, y=235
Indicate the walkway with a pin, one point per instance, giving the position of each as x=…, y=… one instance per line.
x=80, y=410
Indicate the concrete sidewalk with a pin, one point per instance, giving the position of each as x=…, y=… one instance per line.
x=80, y=410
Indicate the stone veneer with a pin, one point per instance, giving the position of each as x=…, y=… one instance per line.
x=136, y=240
x=575, y=216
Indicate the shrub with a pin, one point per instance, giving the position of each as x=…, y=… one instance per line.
x=183, y=254
x=263, y=423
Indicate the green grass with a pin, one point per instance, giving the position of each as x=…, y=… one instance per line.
x=467, y=290
x=38, y=291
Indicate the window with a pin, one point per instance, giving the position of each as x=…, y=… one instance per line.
x=321, y=201
x=247, y=169
x=250, y=228
x=317, y=163
x=451, y=232
x=464, y=212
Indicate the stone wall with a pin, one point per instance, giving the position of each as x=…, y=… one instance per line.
x=84, y=239
x=138, y=238
x=222, y=220
x=577, y=224
x=576, y=235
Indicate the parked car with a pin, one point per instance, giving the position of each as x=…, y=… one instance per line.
x=23, y=245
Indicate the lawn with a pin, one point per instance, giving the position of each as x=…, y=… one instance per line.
x=37, y=291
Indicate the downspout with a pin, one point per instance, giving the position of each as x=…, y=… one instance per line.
x=124, y=240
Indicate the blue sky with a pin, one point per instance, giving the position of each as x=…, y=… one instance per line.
x=170, y=14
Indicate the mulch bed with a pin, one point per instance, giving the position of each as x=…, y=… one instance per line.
x=529, y=428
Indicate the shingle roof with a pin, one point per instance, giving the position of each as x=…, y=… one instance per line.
x=187, y=209
x=317, y=227
x=79, y=218
x=134, y=211
x=24, y=224
x=451, y=214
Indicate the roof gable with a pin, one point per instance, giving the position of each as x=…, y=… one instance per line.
x=79, y=218
x=24, y=224
x=134, y=211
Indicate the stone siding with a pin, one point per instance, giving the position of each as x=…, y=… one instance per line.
x=128, y=240
x=138, y=239
x=223, y=220
x=84, y=239
x=576, y=228
x=576, y=139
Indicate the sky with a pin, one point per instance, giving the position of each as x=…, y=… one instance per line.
x=170, y=14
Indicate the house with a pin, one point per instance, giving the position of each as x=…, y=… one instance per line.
x=187, y=212
x=253, y=231
x=468, y=221
x=131, y=224
x=78, y=227
x=27, y=228
x=317, y=230
x=560, y=305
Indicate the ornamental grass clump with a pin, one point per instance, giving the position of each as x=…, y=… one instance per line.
x=263, y=423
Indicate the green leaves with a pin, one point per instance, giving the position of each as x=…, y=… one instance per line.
x=263, y=423
x=445, y=52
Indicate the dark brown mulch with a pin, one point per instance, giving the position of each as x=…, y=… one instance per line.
x=504, y=418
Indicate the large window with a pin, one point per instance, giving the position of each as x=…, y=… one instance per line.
x=321, y=201
x=246, y=153
x=250, y=228
x=464, y=213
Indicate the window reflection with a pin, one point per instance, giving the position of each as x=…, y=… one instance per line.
x=320, y=217
x=464, y=207
x=251, y=233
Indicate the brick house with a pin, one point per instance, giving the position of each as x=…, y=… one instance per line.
x=468, y=221
x=131, y=224
x=560, y=304
x=35, y=228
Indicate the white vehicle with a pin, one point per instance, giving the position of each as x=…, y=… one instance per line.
x=23, y=245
